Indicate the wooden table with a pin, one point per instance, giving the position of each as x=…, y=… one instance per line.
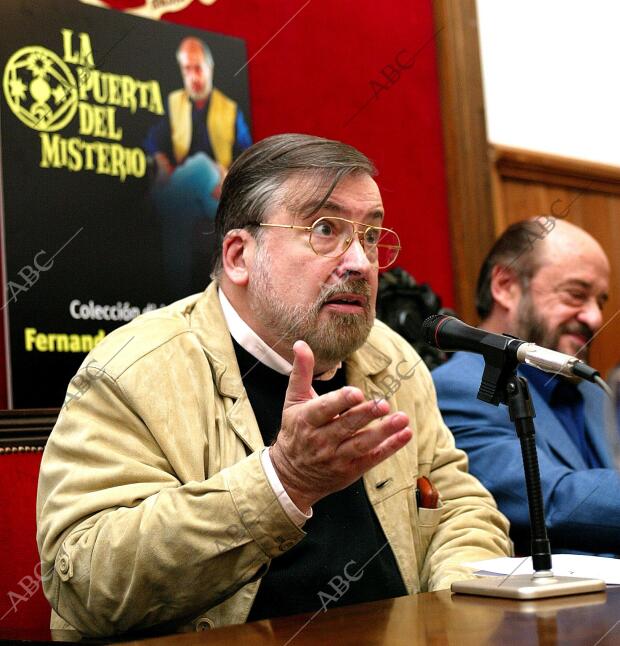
x=436, y=619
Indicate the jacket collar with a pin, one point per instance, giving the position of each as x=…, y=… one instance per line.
x=209, y=325
x=369, y=359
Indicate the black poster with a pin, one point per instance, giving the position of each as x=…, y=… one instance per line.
x=115, y=133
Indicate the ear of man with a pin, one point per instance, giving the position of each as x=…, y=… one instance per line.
x=506, y=288
x=238, y=250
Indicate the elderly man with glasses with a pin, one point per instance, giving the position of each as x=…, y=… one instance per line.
x=225, y=465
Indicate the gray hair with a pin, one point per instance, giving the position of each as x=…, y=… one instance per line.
x=516, y=249
x=206, y=50
x=255, y=182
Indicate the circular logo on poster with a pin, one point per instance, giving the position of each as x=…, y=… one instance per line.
x=40, y=89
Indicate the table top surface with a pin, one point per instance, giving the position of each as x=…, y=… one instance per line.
x=433, y=618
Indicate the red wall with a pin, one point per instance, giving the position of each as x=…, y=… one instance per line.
x=315, y=75
x=333, y=71
x=23, y=607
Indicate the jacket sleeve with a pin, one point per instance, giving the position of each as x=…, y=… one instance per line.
x=125, y=542
x=159, y=137
x=582, y=507
x=470, y=527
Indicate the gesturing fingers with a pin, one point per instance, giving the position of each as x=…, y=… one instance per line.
x=321, y=411
x=363, y=444
x=384, y=450
x=357, y=417
x=300, y=381
x=328, y=442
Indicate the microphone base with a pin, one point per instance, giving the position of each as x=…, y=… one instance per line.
x=528, y=586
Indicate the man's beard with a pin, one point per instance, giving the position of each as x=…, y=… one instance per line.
x=332, y=340
x=531, y=327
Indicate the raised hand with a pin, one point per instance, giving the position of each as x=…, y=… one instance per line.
x=328, y=442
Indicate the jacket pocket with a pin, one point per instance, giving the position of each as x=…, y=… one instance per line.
x=428, y=519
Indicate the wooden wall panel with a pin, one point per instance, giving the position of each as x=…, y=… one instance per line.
x=465, y=146
x=588, y=195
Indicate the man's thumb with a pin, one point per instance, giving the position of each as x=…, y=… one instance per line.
x=300, y=381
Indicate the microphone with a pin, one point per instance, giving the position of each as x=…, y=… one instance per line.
x=450, y=334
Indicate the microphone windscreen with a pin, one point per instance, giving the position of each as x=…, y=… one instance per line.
x=429, y=326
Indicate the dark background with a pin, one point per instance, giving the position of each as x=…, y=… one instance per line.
x=116, y=256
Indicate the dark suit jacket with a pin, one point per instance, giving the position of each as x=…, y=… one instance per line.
x=582, y=505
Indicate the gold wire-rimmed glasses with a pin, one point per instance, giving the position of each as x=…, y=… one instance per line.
x=332, y=236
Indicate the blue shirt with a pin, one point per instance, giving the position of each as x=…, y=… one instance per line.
x=567, y=403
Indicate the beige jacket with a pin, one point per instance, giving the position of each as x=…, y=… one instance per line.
x=153, y=506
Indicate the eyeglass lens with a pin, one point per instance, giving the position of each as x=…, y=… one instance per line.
x=332, y=236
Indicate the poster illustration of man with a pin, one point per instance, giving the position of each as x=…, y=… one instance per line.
x=99, y=136
x=192, y=147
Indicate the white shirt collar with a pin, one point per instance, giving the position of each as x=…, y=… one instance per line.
x=245, y=336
